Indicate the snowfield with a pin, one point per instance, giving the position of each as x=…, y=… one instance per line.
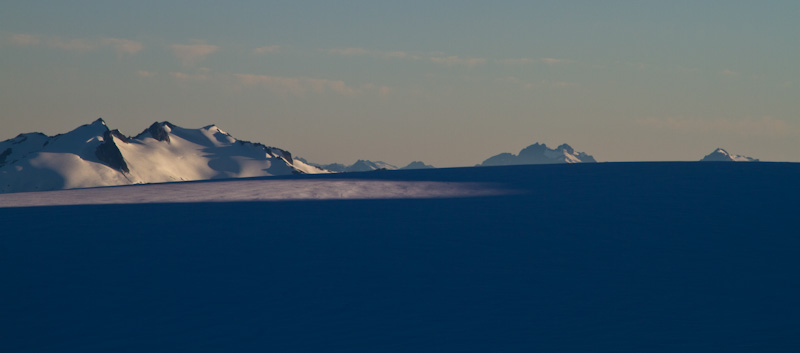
x=251, y=190
x=587, y=257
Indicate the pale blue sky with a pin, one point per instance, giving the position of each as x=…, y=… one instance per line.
x=447, y=82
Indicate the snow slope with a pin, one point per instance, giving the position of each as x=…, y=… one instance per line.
x=608, y=257
x=539, y=154
x=92, y=155
x=721, y=155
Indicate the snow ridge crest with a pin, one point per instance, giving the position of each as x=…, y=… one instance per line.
x=93, y=155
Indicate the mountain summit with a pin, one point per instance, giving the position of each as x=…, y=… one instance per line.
x=721, y=155
x=93, y=155
x=539, y=154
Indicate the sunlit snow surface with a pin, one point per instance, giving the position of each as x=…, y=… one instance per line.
x=252, y=190
x=608, y=257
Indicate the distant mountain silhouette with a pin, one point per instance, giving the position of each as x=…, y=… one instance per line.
x=721, y=155
x=363, y=165
x=539, y=154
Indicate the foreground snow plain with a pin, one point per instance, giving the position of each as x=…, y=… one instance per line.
x=609, y=257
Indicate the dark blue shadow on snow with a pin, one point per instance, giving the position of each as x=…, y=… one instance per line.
x=623, y=258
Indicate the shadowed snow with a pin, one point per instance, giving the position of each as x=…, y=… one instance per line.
x=587, y=257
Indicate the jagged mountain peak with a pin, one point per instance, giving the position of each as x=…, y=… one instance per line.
x=213, y=127
x=565, y=147
x=539, y=153
x=721, y=155
x=93, y=155
x=158, y=131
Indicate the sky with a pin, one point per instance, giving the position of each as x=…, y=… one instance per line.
x=450, y=83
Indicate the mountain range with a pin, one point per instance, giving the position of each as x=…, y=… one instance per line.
x=94, y=155
x=363, y=165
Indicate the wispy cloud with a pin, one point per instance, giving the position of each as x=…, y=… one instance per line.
x=201, y=76
x=399, y=55
x=553, y=61
x=267, y=49
x=373, y=53
x=515, y=61
x=301, y=86
x=349, y=51
x=24, y=39
x=456, y=60
x=763, y=126
x=189, y=54
x=528, y=61
x=435, y=57
x=297, y=86
x=122, y=46
x=77, y=44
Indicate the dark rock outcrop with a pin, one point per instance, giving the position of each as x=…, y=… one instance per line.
x=4, y=155
x=109, y=153
x=157, y=131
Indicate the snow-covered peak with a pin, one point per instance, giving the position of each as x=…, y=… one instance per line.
x=81, y=140
x=92, y=155
x=18, y=147
x=540, y=154
x=157, y=131
x=721, y=155
x=366, y=165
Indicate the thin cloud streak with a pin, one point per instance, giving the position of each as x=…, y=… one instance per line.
x=373, y=53
x=24, y=39
x=455, y=60
x=515, y=61
x=297, y=86
x=552, y=61
x=189, y=54
x=189, y=77
x=435, y=57
x=121, y=45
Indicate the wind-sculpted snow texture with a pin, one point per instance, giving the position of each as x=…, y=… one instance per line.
x=611, y=257
x=92, y=155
